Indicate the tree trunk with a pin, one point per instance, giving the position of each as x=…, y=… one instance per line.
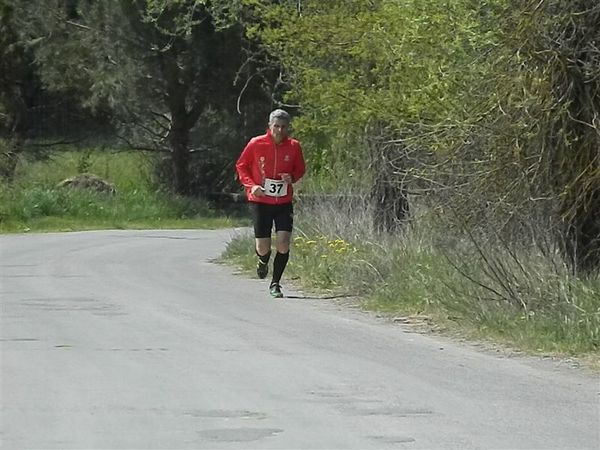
x=581, y=160
x=564, y=52
x=9, y=157
x=582, y=233
x=16, y=124
x=390, y=200
x=179, y=138
x=391, y=206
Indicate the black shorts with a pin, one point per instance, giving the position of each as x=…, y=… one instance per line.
x=264, y=215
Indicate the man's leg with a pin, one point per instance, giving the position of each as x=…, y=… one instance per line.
x=263, y=246
x=283, y=254
x=263, y=251
x=263, y=223
x=284, y=224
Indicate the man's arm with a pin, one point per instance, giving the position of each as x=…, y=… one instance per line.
x=244, y=170
x=244, y=167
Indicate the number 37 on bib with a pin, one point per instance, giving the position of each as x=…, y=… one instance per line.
x=275, y=188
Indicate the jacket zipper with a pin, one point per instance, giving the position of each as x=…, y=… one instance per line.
x=275, y=165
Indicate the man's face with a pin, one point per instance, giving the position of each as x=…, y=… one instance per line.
x=279, y=129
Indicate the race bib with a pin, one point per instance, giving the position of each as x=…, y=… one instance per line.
x=275, y=188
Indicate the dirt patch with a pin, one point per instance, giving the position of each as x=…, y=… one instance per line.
x=89, y=181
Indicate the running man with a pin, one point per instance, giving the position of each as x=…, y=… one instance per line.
x=267, y=168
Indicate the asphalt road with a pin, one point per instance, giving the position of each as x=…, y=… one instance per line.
x=134, y=339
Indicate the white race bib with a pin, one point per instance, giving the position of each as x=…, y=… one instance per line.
x=275, y=188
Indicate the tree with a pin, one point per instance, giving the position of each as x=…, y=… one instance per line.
x=158, y=65
x=382, y=86
x=30, y=111
x=14, y=72
x=493, y=106
x=554, y=84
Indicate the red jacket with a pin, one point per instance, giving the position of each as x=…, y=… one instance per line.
x=262, y=158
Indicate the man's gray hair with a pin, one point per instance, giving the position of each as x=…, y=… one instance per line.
x=279, y=114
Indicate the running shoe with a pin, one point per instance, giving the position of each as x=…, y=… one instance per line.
x=275, y=290
x=262, y=269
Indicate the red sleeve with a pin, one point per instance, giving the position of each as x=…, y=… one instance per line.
x=244, y=166
x=299, y=165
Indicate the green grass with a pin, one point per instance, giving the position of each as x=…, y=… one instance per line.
x=542, y=309
x=128, y=171
x=535, y=306
x=34, y=202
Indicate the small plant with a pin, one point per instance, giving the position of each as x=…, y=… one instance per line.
x=84, y=162
x=320, y=260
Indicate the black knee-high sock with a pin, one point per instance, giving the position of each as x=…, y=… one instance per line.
x=279, y=264
x=264, y=258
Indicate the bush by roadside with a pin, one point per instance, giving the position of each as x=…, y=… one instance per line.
x=521, y=298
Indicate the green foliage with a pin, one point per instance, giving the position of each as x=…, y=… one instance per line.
x=323, y=261
x=46, y=208
x=354, y=64
x=34, y=201
x=155, y=67
x=14, y=67
x=490, y=106
x=551, y=93
x=534, y=304
x=25, y=204
x=126, y=170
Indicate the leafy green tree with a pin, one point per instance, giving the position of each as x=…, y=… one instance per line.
x=158, y=65
x=384, y=87
x=378, y=71
x=32, y=116
x=14, y=63
x=490, y=106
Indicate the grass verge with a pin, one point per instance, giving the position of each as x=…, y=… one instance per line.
x=33, y=201
x=525, y=301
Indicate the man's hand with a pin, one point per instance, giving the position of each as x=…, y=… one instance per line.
x=286, y=177
x=257, y=190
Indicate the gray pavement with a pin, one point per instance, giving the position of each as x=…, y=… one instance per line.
x=135, y=340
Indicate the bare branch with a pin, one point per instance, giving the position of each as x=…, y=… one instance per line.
x=78, y=25
x=144, y=148
x=54, y=144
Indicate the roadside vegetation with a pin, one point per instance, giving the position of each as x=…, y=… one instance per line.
x=35, y=201
x=523, y=299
